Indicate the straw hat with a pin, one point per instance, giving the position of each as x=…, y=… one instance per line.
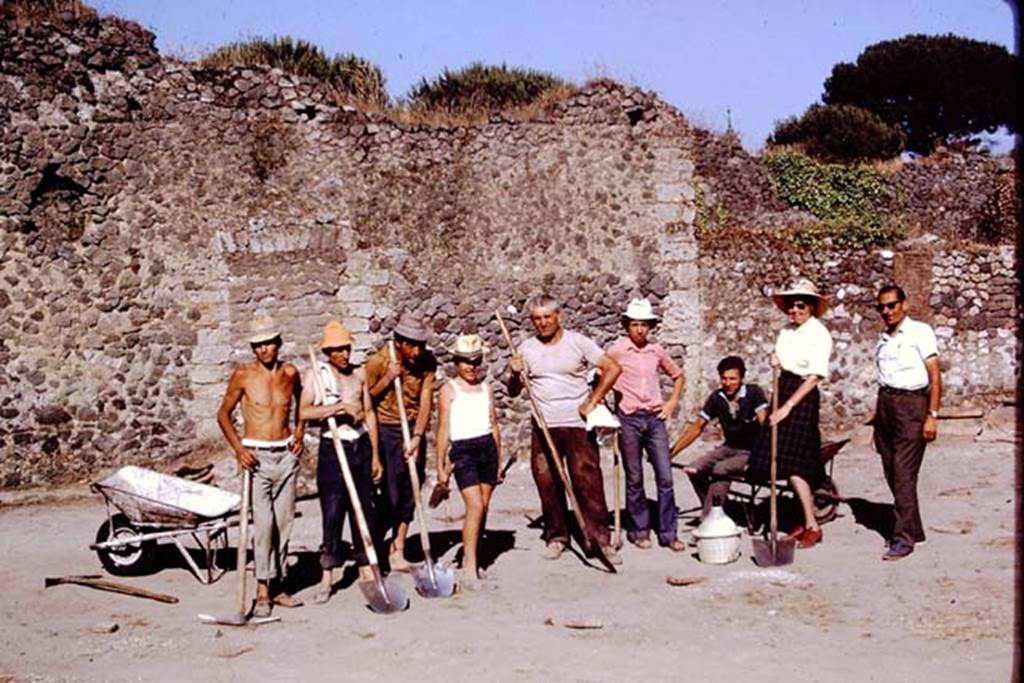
x=469, y=346
x=411, y=328
x=640, y=309
x=802, y=288
x=263, y=329
x=335, y=335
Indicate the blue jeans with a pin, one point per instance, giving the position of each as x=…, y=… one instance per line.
x=644, y=432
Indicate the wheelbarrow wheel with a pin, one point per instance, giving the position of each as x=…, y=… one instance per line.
x=130, y=560
x=825, y=502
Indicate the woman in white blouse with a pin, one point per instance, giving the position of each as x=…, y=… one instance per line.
x=802, y=352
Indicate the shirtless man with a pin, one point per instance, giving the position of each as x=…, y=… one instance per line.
x=265, y=387
x=347, y=400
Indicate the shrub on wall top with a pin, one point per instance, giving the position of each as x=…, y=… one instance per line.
x=352, y=77
x=482, y=88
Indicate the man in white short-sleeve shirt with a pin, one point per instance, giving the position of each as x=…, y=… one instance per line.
x=556, y=363
x=909, y=394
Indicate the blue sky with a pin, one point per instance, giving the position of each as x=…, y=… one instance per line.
x=755, y=61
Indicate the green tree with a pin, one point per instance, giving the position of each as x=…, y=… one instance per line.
x=350, y=76
x=479, y=87
x=840, y=132
x=936, y=88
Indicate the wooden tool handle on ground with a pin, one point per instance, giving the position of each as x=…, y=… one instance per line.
x=539, y=419
x=242, y=554
x=113, y=587
x=414, y=475
x=350, y=485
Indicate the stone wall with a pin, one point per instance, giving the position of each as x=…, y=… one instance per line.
x=967, y=294
x=151, y=209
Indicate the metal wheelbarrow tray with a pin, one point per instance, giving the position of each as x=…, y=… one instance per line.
x=152, y=506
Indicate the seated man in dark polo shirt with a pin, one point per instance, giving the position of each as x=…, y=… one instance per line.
x=740, y=409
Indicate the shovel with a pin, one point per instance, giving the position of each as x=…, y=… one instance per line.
x=383, y=596
x=240, y=617
x=773, y=551
x=588, y=545
x=431, y=581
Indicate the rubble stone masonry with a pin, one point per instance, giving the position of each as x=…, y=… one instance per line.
x=150, y=209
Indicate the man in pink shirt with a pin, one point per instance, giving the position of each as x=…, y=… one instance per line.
x=643, y=412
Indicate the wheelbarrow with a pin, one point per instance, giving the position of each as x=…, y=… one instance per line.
x=145, y=507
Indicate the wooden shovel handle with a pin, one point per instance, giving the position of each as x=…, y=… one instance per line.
x=414, y=475
x=242, y=554
x=538, y=418
x=774, y=466
x=350, y=485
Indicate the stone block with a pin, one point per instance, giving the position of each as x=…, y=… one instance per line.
x=355, y=293
x=209, y=374
x=359, y=309
x=356, y=325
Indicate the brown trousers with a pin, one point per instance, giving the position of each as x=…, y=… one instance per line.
x=899, y=439
x=580, y=454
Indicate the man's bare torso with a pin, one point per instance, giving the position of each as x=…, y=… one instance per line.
x=267, y=400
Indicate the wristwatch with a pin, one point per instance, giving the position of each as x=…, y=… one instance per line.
x=934, y=413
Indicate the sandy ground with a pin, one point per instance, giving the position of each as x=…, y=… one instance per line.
x=837, y=613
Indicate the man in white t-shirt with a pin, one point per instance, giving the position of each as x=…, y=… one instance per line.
x=556, y=362
x=909, y=394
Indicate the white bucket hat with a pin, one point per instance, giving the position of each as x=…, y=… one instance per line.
x=802, y=287
x=469, y=346
x=263, y=329
x=640, y=309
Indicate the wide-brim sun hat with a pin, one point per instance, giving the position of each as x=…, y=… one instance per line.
x=468, y=347
x=335, y=335
x=804, y=288
x=263, y=329
x=411, y=328
x=640, y=309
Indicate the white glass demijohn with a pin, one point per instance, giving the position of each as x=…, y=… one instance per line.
x=718, y=537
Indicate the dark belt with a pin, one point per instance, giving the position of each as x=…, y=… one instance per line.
x=270, y=449
x=882, y=389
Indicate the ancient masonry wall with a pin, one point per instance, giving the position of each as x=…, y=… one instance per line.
x=966, y=294
x=151, y=209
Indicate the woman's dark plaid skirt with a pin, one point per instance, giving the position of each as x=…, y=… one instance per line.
x=799, y=438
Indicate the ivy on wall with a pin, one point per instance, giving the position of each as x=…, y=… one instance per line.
x=845, y=200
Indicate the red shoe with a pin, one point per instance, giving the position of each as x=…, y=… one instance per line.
x=810, y=538
x=795, y=534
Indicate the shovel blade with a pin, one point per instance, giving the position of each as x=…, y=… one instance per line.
x=384, y=595
x=441, y=586
x=778, y=556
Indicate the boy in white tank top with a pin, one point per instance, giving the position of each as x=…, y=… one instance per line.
x=467, y=422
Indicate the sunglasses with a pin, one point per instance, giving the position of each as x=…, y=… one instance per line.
x=798, y=305
x=888, y=306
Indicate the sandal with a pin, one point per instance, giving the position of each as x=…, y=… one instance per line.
x=677, y=546
x=398, y=562
x=322, y=595
x=285, y=600
x=262, y=609
x=810, y=538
